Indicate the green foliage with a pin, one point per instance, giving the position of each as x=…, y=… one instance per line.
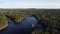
x=3, y=22
x=50, y=17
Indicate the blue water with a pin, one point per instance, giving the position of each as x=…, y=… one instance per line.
x=25, y=27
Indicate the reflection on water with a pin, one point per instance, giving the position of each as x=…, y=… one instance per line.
x=23, y=28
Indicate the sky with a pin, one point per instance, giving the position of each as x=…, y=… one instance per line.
x=30, y=4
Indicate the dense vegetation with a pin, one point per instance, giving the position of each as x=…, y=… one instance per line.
x=3, y=22
x=48, y=18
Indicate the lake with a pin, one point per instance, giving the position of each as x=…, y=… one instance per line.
x=25, y=27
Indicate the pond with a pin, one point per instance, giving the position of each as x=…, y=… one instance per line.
x=25, y=27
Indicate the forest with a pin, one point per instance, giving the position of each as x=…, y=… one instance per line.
x=48, y=18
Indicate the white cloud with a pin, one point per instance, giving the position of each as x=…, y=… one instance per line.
x=29, y=5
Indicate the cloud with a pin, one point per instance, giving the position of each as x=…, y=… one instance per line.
x=29, y=5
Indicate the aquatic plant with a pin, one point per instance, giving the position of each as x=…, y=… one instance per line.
x=33, y=25
x=37, y=32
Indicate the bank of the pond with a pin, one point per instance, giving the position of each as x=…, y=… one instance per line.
x=25, y=27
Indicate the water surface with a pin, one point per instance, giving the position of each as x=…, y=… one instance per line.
x=25, y=27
